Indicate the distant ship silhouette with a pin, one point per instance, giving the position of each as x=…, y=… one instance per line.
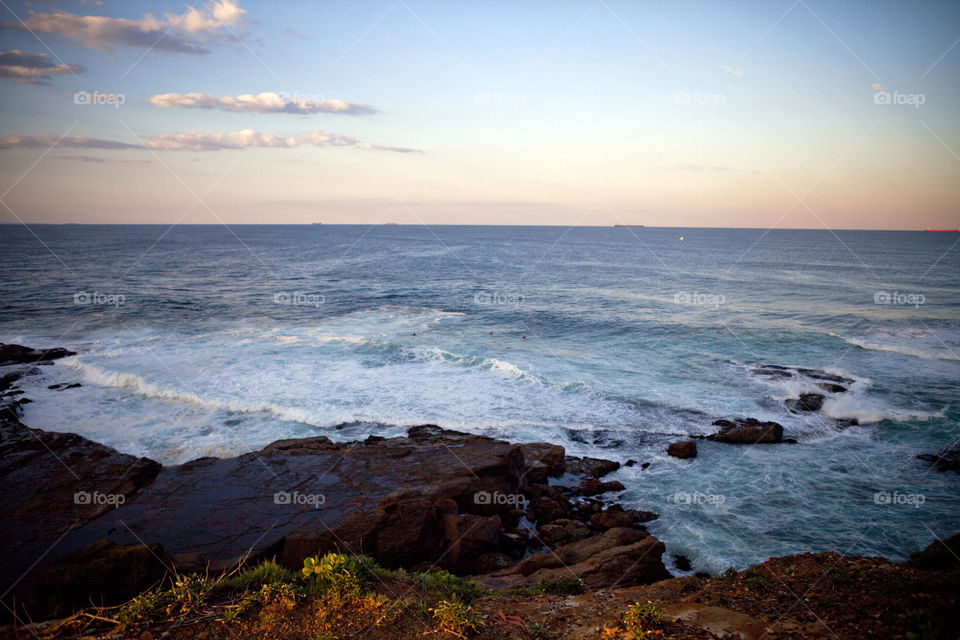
x=630, y=226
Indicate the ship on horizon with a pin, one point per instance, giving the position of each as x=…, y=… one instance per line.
x=630, y=226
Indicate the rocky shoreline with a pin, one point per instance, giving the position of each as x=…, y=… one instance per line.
x=89, y=525
x=106, y=525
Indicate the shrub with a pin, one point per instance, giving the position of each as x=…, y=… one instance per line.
x=641, y=615
x=189, y=594
x=333, y=572
x=455, y=618
x=444, y=584
x=146, y=607
x=754, y=580
x=268, y=572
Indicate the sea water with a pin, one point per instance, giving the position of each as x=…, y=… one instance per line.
x=213, y=341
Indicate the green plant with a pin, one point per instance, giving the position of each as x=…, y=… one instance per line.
x=268, y=572
x=562, y=586
x=729, y=574
x=333, y=572
x=146, y=607
x=537, y=630
x=330, y=565
x=444, y=584
x=754, y=580
x=456, y=618
x=641, y=615
x=189, y=594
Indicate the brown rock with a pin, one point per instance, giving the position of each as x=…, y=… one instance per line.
x=610, y=519
x=102, y=573
x=594, y=487
x=748, y=431
x=562, y=531
x=594, y=467
x=620, y=556
x=683, y=450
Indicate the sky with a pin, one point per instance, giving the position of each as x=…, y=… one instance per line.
x=768, y=114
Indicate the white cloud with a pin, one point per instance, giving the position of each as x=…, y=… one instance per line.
x=32, y=67
x=266, y=102
x=186, y=33
x=380, y=147
x=76, y=142
x=736, y=73
x=197, y=141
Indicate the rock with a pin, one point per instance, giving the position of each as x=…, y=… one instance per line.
x=946, y=460
x=644, y=465
x=618, y=557
x=103, y=573
x=562, y=531
x=683, y=450
x=53, y=483
x=391, y=499
x=593, y=487
x=747, y=431
x=472, y=536
x=611, y=518
x=682, y=562
x=539, y=456
x=831, y=387
x=546, y=509
x=18, y=354
x=807, y=402
x=490, y=562
x=630, y=463
x=940, y=555
x=594, y=467
x=641, y=516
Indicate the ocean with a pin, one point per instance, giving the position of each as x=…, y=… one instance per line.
x=213, y=341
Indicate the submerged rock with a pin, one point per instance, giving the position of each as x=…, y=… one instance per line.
x=946, y=460
x=807, y=402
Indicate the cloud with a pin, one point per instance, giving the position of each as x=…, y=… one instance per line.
x=266, y=102
x=736, y=73
x=380, y=147
x=196, y=141
x=76, y=142
x=876, y=86
x=32, y=67
x=186, y=33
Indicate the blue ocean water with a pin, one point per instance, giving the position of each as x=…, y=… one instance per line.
x=196, y=341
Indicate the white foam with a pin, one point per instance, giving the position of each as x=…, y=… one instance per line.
x=928, y=353
x=866, y=410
